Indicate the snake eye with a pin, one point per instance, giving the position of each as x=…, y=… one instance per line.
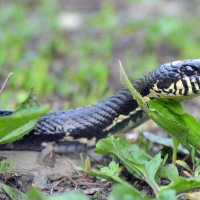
x=189, y=70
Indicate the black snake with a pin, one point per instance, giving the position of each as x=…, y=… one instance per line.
x=178, y=80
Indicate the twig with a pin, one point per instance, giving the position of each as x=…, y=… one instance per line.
x=5, y=82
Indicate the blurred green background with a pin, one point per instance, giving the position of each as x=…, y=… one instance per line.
x=68, y=50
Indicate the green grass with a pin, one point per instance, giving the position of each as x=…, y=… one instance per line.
x=43, y=56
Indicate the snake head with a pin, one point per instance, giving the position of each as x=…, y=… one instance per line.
x=178, y=80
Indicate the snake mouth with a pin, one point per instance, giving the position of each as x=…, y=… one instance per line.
x=191, y=86
x=182, y=89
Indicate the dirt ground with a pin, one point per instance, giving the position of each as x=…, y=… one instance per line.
x=53, y=173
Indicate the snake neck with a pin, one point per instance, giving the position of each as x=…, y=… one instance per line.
x=107, y=116
x=145, y=84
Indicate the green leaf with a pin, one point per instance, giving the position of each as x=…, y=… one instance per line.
x=34, y=193
x=22, y=121
x=125, y=192
x=30, y=101
x=127, y=153
x=168, y=172
x=112, y=169
x=6, y=167
x=167, y=194
x=181, y=125
x=194, y=127
x=140, y=100
x=151, y=168
x=184, y=165
x=17, y=125
x=106, y=173
x=170, y=121
x=197, y=168
x=181, y=184
x=163, y=141
x=137, y=162
x=13, y=193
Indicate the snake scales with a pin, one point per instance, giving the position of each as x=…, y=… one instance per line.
x=178, y=80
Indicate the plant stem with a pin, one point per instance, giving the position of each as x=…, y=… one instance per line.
x=175, y=149
x=5, y=82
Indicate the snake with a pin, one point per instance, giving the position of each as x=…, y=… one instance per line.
x=178, y=80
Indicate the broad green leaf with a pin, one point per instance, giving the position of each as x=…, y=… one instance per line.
x=13, y=193
x=127, y=153
x=170, y=121
x=34, y=193
x=151, y=168
x=174, y=106
x=194, y=130
x=173, y=119
x=125, y=192
x=22, y=121
x=167, y=194
x=16, y=126
x=137, y=162
x=181, y=184
x=168, y=172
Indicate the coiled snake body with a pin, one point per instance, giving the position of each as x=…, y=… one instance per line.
x=178, y=80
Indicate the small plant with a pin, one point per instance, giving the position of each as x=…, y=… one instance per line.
x=22, y=121
x=6, y=169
